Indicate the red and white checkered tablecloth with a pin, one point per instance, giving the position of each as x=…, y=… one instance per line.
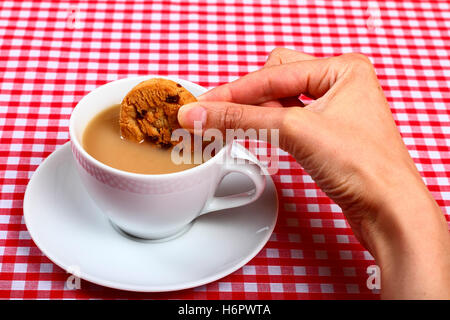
x=53, y=53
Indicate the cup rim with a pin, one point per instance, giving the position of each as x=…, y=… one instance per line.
x=126, y=174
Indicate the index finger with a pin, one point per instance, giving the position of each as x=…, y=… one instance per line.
x=309, y=77
x=313, y=77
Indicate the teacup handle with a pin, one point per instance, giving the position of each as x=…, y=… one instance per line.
x=252, y=170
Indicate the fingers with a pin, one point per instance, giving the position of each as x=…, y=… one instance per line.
x=277, y=56
x=283, y=55
x=281, y=124
x=225, y=115
x=312, y=77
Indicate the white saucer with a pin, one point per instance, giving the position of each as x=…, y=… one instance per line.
x=69, y=229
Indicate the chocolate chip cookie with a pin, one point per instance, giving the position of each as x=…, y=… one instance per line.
x=149, y=111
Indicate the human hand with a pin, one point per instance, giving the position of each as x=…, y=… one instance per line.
x=347, y=140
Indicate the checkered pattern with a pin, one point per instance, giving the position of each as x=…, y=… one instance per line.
x=53, y=53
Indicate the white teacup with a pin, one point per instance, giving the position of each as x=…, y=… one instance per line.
x=155, y=206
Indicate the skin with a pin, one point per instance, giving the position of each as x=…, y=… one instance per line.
x=347, y=140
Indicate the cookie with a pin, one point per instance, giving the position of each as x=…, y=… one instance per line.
x=149, y=111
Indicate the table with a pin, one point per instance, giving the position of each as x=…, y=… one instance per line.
x=53, y=53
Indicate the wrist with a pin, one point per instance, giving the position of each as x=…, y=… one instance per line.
x=411, y=222
x=409, y=239
x=403, y=210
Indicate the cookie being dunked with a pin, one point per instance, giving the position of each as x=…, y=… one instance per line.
x=150, y=111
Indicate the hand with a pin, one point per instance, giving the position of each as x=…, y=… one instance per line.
x=347, y=140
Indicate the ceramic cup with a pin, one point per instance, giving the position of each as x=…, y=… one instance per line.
x=156, y=206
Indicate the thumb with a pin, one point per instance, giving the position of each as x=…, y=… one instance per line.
x=226, y=115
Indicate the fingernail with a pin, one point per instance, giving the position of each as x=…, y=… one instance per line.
x=190, y=113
